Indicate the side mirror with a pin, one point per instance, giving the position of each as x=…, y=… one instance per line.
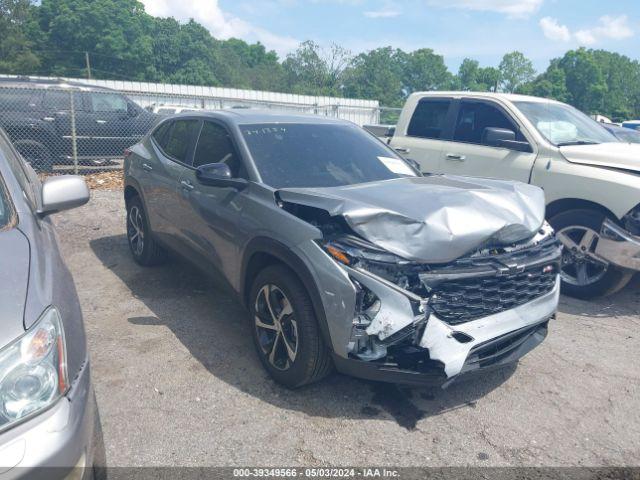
x=63, y=193
x=503, y=138
x=219, y=175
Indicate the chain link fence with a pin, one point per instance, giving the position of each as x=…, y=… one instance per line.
x=72, y=129
x=67, y=127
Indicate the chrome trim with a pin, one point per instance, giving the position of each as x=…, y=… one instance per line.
x=618, y=246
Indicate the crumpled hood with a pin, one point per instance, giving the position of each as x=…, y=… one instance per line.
x=433, y=219
x=613, y=155
x=14, y=279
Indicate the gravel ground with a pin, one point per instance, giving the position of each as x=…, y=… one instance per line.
x=178, y=382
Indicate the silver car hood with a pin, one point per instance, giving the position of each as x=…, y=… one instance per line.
x=433, y=219
x=14, y=279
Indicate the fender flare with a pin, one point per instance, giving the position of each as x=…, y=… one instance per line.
x=273, y=248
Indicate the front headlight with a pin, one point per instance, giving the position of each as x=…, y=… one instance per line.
x=33, y=370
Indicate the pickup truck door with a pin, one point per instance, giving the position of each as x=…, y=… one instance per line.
x=469, y=154
x=423, y=138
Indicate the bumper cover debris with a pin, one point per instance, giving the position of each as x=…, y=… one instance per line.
x=619, y=247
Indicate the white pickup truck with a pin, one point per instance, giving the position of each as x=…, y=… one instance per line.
x=591, y=179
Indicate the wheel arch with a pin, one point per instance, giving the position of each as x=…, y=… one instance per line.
x=262, y=252
x=565, y=204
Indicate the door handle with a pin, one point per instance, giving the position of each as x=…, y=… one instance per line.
x=49, y=119
x=187, y=185
x=147, y=167
x=456, y=157
x=402, y=150
x=101, y=122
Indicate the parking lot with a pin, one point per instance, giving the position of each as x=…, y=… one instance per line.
x=178, y=382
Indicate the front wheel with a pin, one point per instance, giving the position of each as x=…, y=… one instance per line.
x=285, y=329
x=585, y=275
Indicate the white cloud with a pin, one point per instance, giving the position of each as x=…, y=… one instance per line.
x=220, y=24
x=511, y=8
x=609, y=27
x=552, y=29
x=384, y=13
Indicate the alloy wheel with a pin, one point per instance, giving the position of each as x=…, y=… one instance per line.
x=276, y=327
x=135, y=231
x=580, y=265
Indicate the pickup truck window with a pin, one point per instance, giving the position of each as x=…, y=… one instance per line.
x=475, y=117
x=428, y=120
x=58, y=100
x=108, y=102
x=320, y=155
x=564, y=125
x=18, y=100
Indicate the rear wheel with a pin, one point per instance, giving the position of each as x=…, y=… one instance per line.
x=145, y=249
x=285, y=329
x=584, y=275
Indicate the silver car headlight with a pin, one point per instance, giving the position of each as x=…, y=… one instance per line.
x=33, y=370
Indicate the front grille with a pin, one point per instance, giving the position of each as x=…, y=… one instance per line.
x=461, y=300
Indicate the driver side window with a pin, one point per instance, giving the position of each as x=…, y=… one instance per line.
x=215, y=146
x=475, y=117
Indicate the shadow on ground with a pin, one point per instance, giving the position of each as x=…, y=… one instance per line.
x=214, y=327
x=623, y=303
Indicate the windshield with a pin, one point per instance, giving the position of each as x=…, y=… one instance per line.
x=320, y=155
x=564, y=125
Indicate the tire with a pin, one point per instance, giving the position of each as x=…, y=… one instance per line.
x=601, y=280
x=35, y=153
x=298, y=329
x=145, y=249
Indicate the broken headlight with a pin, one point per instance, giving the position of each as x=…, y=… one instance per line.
x=631, y=221
x=33, y=370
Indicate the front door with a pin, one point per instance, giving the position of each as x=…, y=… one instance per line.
x=469, y=153
x=212, y=219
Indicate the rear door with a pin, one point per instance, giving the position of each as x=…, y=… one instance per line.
x=111, y=124
x=425, y=135
x=171, y=148
x=469, y=154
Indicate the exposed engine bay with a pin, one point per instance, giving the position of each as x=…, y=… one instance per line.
x=427, y=316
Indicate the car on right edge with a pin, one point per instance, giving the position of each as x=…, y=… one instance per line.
x=590, y=177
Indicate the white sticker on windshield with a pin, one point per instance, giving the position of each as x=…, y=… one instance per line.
x=397, y=166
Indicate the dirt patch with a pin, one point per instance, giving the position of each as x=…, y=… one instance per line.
x=112, y=180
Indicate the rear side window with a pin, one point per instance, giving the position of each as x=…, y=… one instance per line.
x=161, y=134
x=18, y=100
x=475, y=117
x=429, y=119
x=107, y=102
x=57, y=100
x=180, y=139
x=215, y=146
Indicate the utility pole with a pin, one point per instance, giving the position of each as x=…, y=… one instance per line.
x=86, y=58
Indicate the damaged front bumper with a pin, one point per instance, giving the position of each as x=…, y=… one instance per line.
x=482, y=316
x=618, y=246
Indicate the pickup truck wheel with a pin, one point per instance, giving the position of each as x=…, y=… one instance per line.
x=285, y=329
x=36, y=153
x=145, y=249
x=583, y=274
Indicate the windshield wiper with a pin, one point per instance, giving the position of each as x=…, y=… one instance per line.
x=578, y=142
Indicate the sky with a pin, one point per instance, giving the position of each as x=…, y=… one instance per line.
x=481, y=29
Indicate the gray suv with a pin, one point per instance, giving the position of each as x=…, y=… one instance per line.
x=48, y=419
x=344, y=254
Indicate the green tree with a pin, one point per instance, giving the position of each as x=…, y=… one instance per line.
x=16, y=55
x=515, y=70
x=584, y=79
x=315, y=71
x=377, y=74
x=424, y=70
x=472, y=77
